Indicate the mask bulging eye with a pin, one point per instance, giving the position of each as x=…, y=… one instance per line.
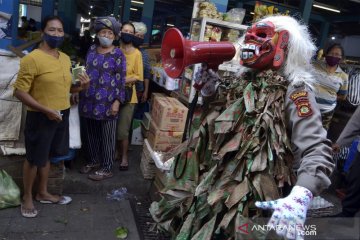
x=261, y=35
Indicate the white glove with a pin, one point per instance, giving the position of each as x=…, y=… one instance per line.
x=289, y=213
x=205, y=80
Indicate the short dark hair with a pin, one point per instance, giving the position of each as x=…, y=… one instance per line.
x=127, y=23
x=335, y=45
x=48, y=19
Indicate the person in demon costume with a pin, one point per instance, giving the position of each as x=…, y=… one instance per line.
x=262, y=133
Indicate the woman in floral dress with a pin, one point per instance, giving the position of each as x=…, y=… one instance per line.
x=100, y=103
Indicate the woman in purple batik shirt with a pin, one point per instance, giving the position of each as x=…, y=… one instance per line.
x=100, y=103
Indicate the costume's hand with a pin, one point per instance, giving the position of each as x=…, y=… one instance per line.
x=115, y=108
x=205, y=81
x=336, y=148
x=289, y=213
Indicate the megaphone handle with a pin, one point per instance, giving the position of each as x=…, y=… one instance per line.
x=189, y=118
x=214, y=66
x=187, y=131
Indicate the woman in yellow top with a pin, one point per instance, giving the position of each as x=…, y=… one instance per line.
x=134, y=72
x=44, y=85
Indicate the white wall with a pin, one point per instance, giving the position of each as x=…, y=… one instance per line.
x=34, y=12
x=351, y=45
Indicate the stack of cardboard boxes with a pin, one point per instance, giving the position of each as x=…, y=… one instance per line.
x=164, y=127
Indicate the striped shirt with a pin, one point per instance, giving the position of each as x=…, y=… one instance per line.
x=329, y=86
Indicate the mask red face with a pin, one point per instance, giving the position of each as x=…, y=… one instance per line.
x=263, y=47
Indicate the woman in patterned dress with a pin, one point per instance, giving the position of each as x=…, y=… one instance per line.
x=100, y=103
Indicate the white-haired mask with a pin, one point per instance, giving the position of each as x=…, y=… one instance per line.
x=263, y=47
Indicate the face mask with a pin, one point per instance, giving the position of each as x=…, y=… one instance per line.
x=126, y=37
x=137, y=41
x=105, y=42
x=332, y=61
x=53, y=41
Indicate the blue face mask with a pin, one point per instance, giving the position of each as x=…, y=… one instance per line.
x=53, y=41
x=105, y=42
x=137, y=41
x=126, y=37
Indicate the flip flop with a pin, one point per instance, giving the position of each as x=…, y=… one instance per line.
x=28, y=213
x=64, y=200
x=100, y=175
x=124, y=168
x=88, y=168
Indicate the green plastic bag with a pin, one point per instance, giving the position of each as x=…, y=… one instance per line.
x=9, y=191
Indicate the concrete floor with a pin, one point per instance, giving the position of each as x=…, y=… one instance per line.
x=92, y=216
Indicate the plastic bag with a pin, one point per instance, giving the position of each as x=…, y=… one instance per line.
x=235, y=15
x=9, y=191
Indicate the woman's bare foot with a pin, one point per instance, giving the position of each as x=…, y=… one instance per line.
x=124, y=165
x=28, y=202
x=48, y=197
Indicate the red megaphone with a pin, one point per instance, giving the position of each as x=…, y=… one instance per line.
x=177, y=53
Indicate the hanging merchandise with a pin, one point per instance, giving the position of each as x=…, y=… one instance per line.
x=261, y=10
x=209, y=10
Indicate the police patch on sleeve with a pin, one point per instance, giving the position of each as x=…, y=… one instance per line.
x=303, y=106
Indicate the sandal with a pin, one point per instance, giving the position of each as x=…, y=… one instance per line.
x=124, y=168
x=28, y=213
x=88, y=168
x=100, y=175
x=63, y=200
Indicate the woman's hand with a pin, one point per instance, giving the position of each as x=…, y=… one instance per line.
x=84, y=80
x=74, y=98
x=115, y=108
x=53, y=115
x=144, y=96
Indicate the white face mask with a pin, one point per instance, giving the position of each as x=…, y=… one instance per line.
x=105, y=42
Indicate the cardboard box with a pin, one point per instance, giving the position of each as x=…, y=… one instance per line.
x=169, y=114
x=163, y=140
x=156, y=95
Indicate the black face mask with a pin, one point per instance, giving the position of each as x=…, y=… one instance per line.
x=53, y=41
x=137, y=41
x=126, y=37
